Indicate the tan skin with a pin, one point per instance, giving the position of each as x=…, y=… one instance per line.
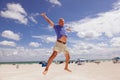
x=63, y=39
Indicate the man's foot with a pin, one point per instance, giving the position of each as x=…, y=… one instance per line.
x=67, y=70
x=45, y=71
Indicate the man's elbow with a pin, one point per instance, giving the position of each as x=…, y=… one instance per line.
x=52, y=25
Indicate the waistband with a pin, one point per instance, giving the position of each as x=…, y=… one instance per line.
x=61, y=42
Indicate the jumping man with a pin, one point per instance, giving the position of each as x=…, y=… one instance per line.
x=61, y=41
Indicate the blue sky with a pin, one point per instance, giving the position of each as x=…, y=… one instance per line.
x=25, y=35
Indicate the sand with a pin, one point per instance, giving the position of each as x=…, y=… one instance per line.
x=87, y=71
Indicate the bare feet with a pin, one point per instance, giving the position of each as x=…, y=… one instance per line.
x=45, y=72
x=67, y=70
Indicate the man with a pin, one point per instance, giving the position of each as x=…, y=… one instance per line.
x=60, y=45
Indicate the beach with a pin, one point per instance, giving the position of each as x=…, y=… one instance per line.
x=87, y=71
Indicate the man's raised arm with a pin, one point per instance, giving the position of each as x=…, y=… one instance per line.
x=47, y=19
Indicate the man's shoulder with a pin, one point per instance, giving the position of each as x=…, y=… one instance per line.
x=56, y=26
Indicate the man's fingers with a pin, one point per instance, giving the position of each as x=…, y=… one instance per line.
x=43, y=14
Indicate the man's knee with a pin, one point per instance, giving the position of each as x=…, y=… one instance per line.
x=54, y=53
x=67, y=56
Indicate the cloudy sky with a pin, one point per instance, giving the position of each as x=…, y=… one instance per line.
x=26, y=36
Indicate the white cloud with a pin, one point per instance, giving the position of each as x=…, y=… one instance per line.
x=8, y=43
x=102, y=44
x=22, y=54
x=51, y=39
x=80, y=47
x=55, y=2
x=106, y=22
x=109, y=34
x=89, y=34
x=34, y=44
x=46, y=38
x=32, y=19
x=16, y=12
x=96, y=50
x=10, y=35
x=115, y=42
x=116, y=5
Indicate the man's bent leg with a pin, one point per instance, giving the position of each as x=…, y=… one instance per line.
x=67, y=61
x=50, y=61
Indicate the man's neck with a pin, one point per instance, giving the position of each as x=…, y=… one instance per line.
x=61, y=25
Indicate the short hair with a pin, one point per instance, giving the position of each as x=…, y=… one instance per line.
x=61, y=18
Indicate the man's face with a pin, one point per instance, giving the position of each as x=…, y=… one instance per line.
x=61, y=22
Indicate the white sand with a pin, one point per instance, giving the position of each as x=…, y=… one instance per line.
x=88, y=71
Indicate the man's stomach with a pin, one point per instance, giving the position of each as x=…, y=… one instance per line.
x=63, y=39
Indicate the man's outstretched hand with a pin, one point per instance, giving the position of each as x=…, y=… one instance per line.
x=43, y=14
